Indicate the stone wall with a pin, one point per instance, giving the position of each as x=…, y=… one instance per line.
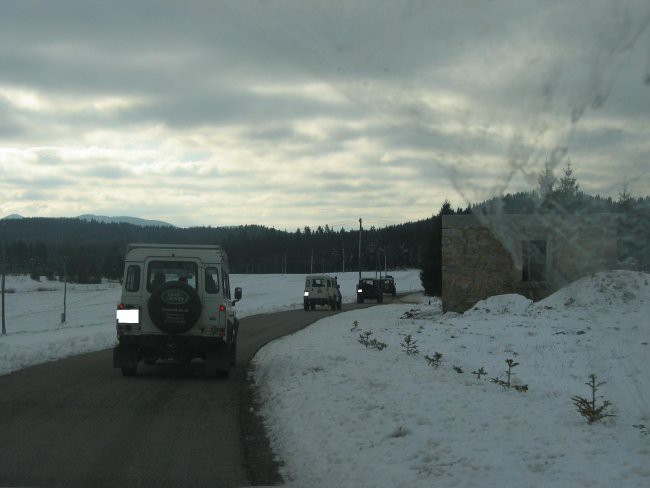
x=482, y=258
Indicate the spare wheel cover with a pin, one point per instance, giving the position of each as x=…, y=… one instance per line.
x=174, y=307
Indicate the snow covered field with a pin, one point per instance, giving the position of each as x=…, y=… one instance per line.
x=343, y=415
x=33, y=312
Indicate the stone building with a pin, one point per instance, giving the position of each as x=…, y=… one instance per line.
x=532, y=255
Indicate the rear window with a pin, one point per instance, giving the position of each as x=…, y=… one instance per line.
x=317, y=282
x=211, y=280
x=160, y=272
x=132, y=280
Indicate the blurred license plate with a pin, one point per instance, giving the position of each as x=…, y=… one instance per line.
x=131, y=316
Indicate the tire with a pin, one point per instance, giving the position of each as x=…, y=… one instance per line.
x=312, y=305
x=359, y=299
x=174, y=307
x=217, y=361
x=306, y=306
x=233, y=348
x=380, y=300
x=340, y=305
x=129, y=371
x=233, y=353
x=223, y=369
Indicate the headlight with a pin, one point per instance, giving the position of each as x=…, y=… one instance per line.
x=359, y=290
x=306, y=293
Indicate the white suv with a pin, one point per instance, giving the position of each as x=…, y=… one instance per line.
x=176, y=305
x=322, y=289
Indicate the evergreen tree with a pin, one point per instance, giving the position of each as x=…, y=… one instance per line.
x=568, y=183
x=546, y=181
x=625, y=200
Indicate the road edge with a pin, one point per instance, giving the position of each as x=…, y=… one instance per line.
x=261, y=464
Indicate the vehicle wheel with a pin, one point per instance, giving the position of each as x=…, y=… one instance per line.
x=312, y=305
x=359, y=300
x=380, y=300
x=223, y=368
x=340, y=305
x=129, y=371
x=174, y=307
x=393, y=293
x=217, y=361
x=233, y=353
x=306, y=306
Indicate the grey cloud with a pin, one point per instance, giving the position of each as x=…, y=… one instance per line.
x=21, y=181
x=227, y=107
x=41, y=194
x=108, y=172
x=531, y=74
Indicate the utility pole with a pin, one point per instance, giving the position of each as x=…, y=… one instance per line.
x=4, y=267
x=65, y=287
x=360, y=229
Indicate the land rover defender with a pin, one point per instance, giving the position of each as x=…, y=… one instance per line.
x=176, y=306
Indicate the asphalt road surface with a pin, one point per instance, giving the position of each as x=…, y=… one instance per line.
x=78, y=422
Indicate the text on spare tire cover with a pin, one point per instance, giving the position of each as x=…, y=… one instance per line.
x=175, y=297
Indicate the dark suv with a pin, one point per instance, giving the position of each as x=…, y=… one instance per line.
x=369, y=288
x=388, y=285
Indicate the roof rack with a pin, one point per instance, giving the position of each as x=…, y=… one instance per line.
x=197, y=247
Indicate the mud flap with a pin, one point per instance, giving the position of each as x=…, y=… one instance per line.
x=125, y=357
x=217, y=361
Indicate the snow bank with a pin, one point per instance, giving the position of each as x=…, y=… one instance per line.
x=627, y=290
x=341, y=414
x=501, y=304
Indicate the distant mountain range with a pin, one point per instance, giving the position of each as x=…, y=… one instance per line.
x=110, y=220
x=124, y=220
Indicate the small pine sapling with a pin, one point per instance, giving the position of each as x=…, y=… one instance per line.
x=435, y=360
x=355, y=326
x=588, y=408
x=364, y=338
x=480, y=372
x=511, y=364
x=375, y=344
x=409, y=345
x=458, y=369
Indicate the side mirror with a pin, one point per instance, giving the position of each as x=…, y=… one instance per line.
x=237, y=294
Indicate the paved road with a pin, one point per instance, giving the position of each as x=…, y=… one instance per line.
x=78, y=422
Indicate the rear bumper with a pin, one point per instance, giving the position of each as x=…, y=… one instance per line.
x=132, y=349
x=319, y=301
x=370, y=296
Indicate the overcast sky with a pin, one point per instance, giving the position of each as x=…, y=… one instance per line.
x=296, y=112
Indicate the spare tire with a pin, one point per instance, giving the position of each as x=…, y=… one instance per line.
x=174, y=307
